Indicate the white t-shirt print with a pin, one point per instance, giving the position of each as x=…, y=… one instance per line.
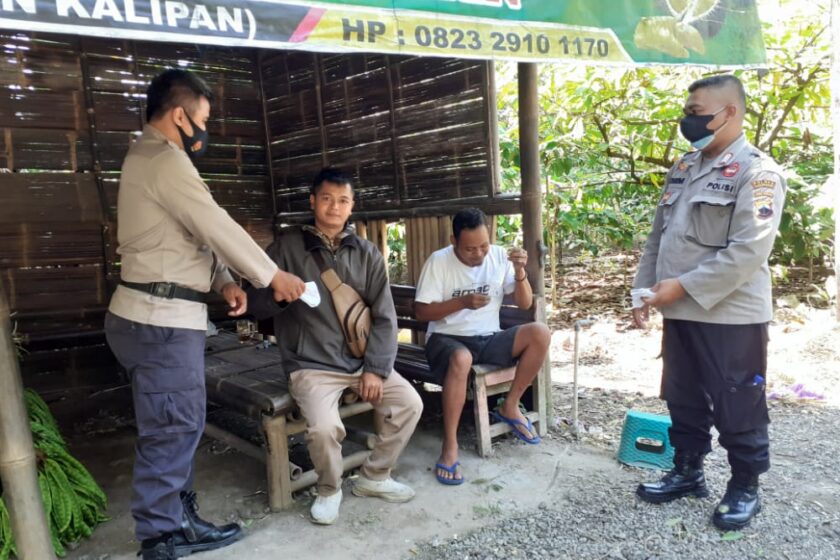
x=444, y=277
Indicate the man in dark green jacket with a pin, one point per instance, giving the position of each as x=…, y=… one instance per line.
x=316, y=355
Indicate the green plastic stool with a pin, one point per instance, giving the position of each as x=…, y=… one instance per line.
x=644, y=441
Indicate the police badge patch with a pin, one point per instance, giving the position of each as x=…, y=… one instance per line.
x=764, y=211
x=763, y=205
x=732, y=170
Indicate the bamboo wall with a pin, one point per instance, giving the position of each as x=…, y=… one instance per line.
x=412, y=131
x=69, y=108
x=375, y=231
x=424, y=236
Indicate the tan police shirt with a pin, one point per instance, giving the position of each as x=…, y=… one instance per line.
x=169, y=228
x=714, y=229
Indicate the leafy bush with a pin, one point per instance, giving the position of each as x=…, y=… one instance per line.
x=608, y=136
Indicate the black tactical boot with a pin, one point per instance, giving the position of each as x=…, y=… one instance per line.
x=158, y=548
x=740, y=503
x=197, y=535
x=685, y=479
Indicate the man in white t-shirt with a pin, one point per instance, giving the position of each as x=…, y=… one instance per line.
x=460, y=294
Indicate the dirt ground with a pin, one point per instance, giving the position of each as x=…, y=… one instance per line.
x=232, y=489
x=601, y=518
x=559, y=483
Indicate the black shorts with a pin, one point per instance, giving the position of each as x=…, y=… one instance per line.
x=495, y=349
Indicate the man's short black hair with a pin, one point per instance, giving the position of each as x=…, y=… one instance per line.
x=175, y=88
x=721, y=81
x=330, y=175
x=469, y=218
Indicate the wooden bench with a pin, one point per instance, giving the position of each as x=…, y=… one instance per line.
x=247, y=378
x=486, y=381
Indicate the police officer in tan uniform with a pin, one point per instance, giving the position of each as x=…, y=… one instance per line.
x=176, y=244
x=706, y=261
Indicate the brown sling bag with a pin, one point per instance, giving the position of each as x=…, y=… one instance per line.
x=352, y=311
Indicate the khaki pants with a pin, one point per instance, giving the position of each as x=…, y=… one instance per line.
x=318, y=393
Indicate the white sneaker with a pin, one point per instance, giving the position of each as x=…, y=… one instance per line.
x=389, y=490
x=324, y=510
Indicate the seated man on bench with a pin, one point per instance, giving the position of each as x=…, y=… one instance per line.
x=460, y=293
x=318, y=359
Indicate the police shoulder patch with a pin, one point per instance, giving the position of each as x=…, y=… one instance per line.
x=763, y=183
x=764, y=192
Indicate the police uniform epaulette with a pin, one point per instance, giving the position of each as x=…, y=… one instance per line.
x=689, y=155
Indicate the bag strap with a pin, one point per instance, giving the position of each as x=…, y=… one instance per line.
x=328, y=274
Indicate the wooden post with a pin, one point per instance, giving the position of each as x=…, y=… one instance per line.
x=381, y=228
x=481, y=412
x=411, y=249
x=95, y=157
x=532, y=226
x=421, y=246
x=269, y=158
x=494, y=170
x=431, y=237
x=529, y=155
x=277, y=464
x=361, y=230
x=835, y=110
x=18, y=466
x=319, y=84
x=392, y=116
x=445, y=231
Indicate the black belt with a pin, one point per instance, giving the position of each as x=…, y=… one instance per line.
x=167, y=290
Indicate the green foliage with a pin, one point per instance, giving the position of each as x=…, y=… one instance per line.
x=608, y=136
x=73, y=502
x=396, y=253
x=509, y=231
x=396, y=241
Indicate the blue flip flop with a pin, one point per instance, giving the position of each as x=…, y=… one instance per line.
x=453, y=470
x=515, y=424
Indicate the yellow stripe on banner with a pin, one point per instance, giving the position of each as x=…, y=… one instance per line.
x=415, y=33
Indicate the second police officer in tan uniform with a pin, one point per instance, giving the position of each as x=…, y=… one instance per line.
x=706, y=259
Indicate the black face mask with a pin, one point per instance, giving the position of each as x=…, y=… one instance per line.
x=194, y=145
x=695, y=129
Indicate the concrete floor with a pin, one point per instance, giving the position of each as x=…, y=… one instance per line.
x=231, y=488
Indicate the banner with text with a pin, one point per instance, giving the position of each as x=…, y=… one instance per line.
x=721, y=32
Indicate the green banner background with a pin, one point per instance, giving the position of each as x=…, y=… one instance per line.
x=731, y=32
x=720, y=32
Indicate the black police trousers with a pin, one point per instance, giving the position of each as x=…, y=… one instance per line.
x=716, y=374
x=167, y=380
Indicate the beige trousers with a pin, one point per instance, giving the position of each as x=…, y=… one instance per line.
x=318, y=393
